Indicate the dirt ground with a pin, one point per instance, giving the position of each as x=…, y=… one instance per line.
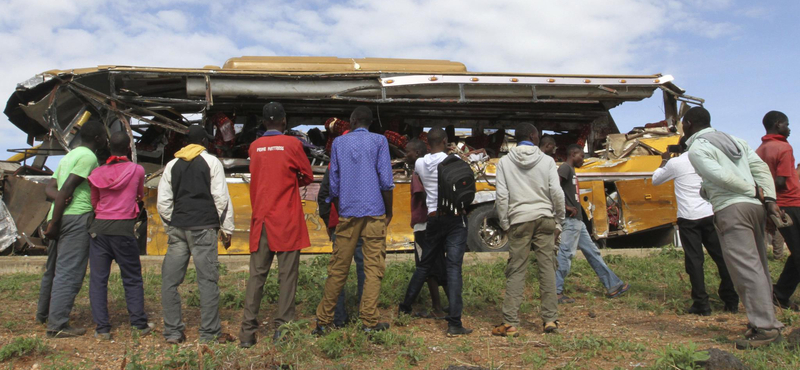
x=597, y=333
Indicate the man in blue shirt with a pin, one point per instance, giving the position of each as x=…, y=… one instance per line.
x=361, y=186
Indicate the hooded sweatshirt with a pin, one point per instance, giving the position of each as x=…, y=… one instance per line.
x=115, y=188
x=728, y=178
x=193, y=192
x=427, y=168
x=528, y=187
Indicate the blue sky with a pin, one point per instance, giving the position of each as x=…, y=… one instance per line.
x=734, y=54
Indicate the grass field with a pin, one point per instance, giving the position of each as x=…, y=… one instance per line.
x=646, y=328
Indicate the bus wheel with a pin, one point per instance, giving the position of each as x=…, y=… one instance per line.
x=485, y=233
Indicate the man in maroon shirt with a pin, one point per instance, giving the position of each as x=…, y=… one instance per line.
x=778, y=155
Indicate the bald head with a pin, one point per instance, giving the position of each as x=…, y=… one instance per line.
x=119, y=143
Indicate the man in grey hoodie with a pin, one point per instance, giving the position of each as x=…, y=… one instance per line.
x=530, y=206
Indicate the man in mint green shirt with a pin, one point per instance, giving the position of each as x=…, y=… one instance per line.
x=68, y=254
x=739, y=185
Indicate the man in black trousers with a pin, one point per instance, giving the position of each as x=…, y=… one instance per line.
x=696, y=227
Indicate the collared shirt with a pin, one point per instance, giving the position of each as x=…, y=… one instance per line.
x=729, y=181
x=272, y=133
x=361, y=169
x=525, y=142
x=777, y=153
x=691, y=205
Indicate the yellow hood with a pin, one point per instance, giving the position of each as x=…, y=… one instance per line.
x=190, y=152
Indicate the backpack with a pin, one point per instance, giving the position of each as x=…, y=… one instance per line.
x=456, y=186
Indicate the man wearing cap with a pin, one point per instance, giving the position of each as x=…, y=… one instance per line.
x=194, y=203
x=278, y=167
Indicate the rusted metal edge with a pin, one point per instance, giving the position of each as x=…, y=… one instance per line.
x=101, y=99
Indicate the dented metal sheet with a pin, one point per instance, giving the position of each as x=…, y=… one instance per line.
x=636, y=164
x=8, y=229
x=646, y=206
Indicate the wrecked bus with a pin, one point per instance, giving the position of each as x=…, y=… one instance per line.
x=156, y=105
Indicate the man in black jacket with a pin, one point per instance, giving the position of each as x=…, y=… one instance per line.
x=194, y=204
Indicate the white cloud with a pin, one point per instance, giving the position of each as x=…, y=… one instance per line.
x=583, y=36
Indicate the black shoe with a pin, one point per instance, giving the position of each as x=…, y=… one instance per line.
x=455, y=331
x=403, y=311
x=381, y=326
x=694, y=310
x=786, y=305
x=41, y=320
x=731, y=308
x=278, y=336
x=177, y=340
x=103, y=336
x=67, y=332
x=321, y=330
x=247, y=345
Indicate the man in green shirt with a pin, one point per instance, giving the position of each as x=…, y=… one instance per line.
x=739, y=185
x=68, y=223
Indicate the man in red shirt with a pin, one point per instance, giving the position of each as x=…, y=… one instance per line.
x=778, y=155
x=278, y=167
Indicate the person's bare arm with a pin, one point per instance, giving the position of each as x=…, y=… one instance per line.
x=387, y=203
x=51, y=190
x=780, y=183
x=60, y=204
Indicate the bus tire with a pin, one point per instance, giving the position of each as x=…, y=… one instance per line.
x=485, y=234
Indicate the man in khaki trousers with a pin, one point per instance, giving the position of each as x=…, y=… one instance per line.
x=530, y=206
x=361, y=186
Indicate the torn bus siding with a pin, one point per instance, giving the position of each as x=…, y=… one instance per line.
x=156, y=105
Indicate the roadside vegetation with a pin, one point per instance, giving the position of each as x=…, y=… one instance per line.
x=646, y=328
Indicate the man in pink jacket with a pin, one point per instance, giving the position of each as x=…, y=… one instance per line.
x=117, y=187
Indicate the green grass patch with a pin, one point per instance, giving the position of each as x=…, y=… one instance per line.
x=21, y=347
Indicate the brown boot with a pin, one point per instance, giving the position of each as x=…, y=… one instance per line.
x=759, y=337
x=505, y=330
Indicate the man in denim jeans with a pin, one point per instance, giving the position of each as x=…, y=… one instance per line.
x=443, y=231
x=576, y=236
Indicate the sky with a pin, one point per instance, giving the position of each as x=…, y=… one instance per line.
x=737, y=55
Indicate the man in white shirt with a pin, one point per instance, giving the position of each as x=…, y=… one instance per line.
x=696, y=224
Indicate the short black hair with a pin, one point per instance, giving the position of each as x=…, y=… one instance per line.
x=699, y=117
x=418, y=146
x=92, y=129
x=119, y=143
x=772, y=118
x=547, y=139
x=436, y=135
x=524, y=131
x=361, y=117
x=574, y=148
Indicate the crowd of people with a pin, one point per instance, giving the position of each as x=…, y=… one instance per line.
x=729, y=199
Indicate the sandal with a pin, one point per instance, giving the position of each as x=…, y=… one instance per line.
x=551, y=327
x=505, y=330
